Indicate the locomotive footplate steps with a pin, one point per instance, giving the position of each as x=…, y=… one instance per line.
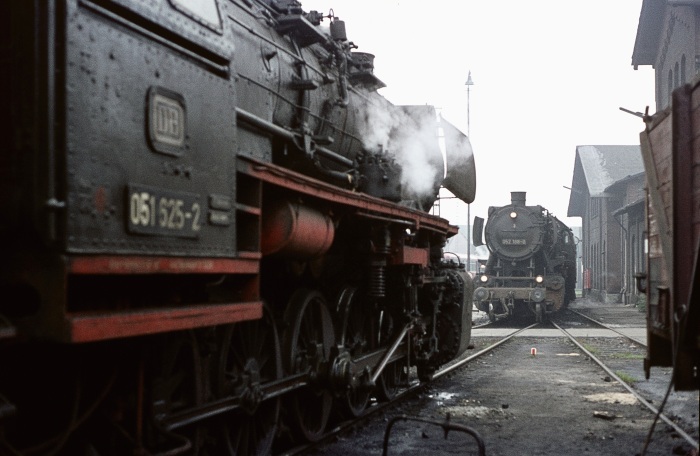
x=91, y=327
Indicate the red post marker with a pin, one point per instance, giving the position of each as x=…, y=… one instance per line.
x=533, y=351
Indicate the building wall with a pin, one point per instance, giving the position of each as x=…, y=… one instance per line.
x=633, y=236
x=612, y=257
x=676, y=62
x=627, y=209
x=636, y=237
x=635, y=190
x=578, y=230
x=603, y=253
x=594, y=234
x=586, y=254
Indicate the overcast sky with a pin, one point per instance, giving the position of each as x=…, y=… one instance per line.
x=548, y=75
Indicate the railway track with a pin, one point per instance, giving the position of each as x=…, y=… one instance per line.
x=580, y=342
x=611, y=328
x=414, y=387
x=658, y=412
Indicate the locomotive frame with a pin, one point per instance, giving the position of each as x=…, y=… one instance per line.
x=199, y=246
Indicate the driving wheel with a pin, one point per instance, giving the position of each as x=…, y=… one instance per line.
x=395, y=374
x=308, y=339
x=250, y=357
x=357, y=334
x=176, y=380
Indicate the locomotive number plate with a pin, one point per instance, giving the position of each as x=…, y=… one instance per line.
x=156, y=211
x=513, y=242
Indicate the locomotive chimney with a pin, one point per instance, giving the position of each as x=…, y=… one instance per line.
x=517, y=198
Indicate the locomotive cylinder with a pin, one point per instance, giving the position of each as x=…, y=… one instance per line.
x=296, y=231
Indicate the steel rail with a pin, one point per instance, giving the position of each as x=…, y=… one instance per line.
x=629, y=388
x=460, y=363
x=412, y=388
x=643, y=344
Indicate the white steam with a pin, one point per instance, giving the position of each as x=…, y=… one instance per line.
x=409, y=134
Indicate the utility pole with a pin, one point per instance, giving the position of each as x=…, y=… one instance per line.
x=469, y=83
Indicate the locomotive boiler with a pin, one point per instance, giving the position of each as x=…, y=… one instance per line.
x=215, y=229
x=531, y=269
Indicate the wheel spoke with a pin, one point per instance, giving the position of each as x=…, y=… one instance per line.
x=307, y=343
x=358, y=336
x=175, y=376
x=250, y=352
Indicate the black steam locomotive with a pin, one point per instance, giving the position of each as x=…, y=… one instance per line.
x=531, y=267
x=214, y=228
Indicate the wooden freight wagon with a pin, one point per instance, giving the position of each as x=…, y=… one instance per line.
x=670, y=147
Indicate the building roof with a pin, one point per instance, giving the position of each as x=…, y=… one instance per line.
x=598, y=167
x=651, y=20
x=634, y=205
x=617, y=185
x=650, y=28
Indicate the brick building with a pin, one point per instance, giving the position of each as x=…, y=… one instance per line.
x=606, y=188
x=626, y=203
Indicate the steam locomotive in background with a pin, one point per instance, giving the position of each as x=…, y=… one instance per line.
x=671, y=154
x=531, y=269
x=214, y=228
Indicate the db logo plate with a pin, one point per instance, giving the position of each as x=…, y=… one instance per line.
x=167, y=121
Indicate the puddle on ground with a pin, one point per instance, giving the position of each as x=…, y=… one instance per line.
x=442, y=397
x=474, y=411
x=445, y=396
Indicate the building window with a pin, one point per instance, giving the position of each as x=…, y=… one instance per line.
x=676, y=81
x=595, y=267
x=683, y=79
x=604, y=268
x=595, y=207
x=670, y=84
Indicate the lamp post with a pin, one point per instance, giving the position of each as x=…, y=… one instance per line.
x=469, y=83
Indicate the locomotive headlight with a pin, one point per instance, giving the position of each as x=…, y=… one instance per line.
x=484, y=278
x=539, y=279
x=513, y=214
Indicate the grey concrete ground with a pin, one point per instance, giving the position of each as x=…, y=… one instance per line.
x=555, y=403
x=629, y=320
